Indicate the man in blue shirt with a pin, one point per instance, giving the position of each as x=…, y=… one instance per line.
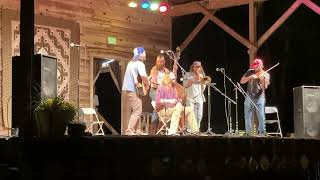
x=134, y=70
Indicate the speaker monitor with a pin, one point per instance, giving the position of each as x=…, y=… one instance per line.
x=44, y=83
x=306, y=103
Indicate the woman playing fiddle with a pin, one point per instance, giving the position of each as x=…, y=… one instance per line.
x=258, y=81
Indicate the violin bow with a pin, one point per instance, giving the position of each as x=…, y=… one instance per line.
x=272, y=67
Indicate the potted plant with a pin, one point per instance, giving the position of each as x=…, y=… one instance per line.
x=52, y=116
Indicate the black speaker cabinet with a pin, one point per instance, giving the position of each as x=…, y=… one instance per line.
x=306, y=103
x=44, y=84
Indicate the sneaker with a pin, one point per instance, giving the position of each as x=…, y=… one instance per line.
x=195, y=133
x=261, y=135
x=173, y=134
x=140, y=133
x=130, y=133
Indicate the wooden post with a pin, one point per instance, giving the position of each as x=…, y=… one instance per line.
x=28, y=96
x=27, y=55
x=252, y=30
x=125, y=115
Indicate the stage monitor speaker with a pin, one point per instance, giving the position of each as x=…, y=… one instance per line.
x=306, y=104
x=44, y=83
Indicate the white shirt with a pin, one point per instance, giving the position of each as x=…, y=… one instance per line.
x=134, y=68
x=160, y=77
x=194, y=92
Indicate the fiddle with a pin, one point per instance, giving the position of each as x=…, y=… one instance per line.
x=260, y=74
x=263, y=72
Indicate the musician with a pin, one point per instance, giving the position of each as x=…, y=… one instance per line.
x=156, y=75
x=258, y=81
x=168, y=103
x=195, y=90
x=134, y=69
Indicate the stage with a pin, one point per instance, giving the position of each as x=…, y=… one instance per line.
x=158, y=157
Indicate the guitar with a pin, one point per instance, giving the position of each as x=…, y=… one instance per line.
x=141, y=87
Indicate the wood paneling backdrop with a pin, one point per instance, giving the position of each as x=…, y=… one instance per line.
x=97, y=19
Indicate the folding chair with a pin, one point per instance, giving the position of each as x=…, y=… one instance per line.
x=90, y=124
x=162, y=120
x=273, y=110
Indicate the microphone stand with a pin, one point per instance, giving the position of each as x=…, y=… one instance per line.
x=230, y=130
x=246, y=96
x=174, y=58
x=209, y=106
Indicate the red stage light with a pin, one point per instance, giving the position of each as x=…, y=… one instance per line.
x=163, y=7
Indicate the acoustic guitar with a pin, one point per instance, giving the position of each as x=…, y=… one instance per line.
x=141, y=87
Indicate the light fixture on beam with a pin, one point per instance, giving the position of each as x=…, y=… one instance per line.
x=76, y=45
x=154, y=6
x=163, y=7
x=106, y=63
x=145, y=4
x=133, y=4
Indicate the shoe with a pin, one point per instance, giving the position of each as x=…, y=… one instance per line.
x=130, y=133
x=261, y=135
x=140, y=133
x=196, y=133
x=173, y=134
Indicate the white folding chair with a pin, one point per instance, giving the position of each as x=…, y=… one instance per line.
x=271, y=110
x=90, y=124
x=162, y=119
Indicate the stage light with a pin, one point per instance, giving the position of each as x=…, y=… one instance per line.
x=133, y=4
x=145, y=5
x=163, y=7
x=154, y=6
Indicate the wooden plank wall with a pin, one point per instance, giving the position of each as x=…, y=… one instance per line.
x=99, y=19
x=1, y=114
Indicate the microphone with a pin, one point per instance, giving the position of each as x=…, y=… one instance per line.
x=220, y=69
x=163, y=51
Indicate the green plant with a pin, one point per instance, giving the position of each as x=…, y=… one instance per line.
x=56, y=104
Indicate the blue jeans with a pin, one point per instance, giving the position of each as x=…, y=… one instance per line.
x=198, y=111
x=248, y=112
